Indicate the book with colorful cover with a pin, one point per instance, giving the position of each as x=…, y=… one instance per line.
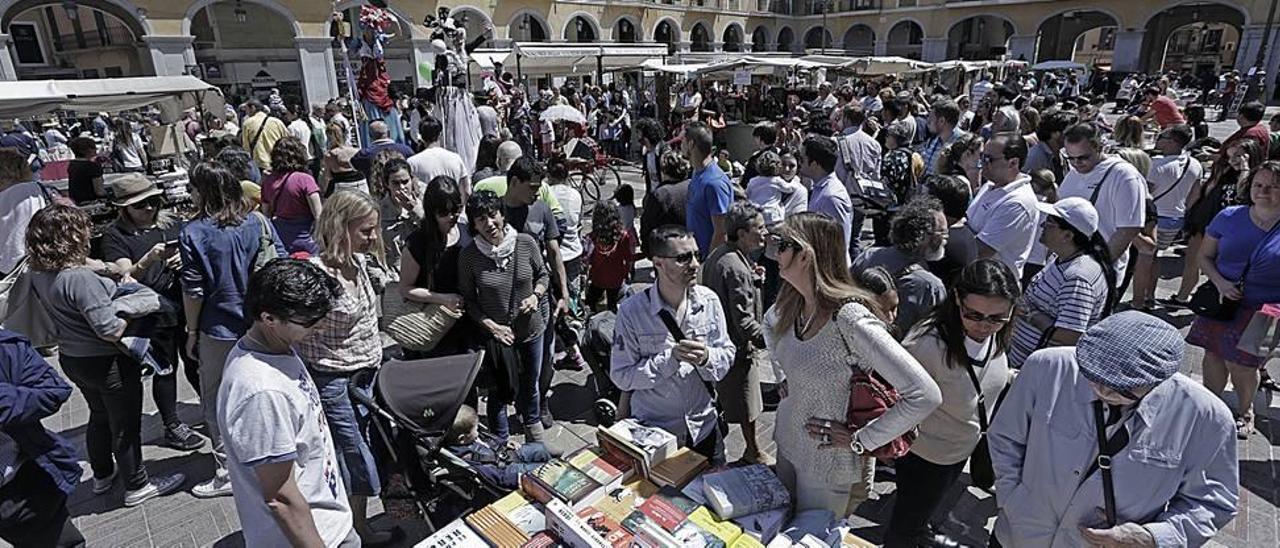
x=668, y=509
x=606, y=527
x=489, y=523
x=762, y=526
x=850, y=540
x=746, y=541
x=646, y=445
x=545, y=539
x=525, y=514
x=557, y=479
x=690, y=535
x=571, y=529
x=648, y=533
x=679, y=468
x=742, y=491
x=726, y=531
x=591, y=462
x=454, y=535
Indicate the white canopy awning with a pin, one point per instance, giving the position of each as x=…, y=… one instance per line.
x=888, y=65
x=172, y=94
x=1058, y=65
x=567, y=58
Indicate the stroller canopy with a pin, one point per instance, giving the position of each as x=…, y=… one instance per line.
x=425, y=395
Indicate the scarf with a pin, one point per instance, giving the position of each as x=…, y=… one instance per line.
x=501, y=253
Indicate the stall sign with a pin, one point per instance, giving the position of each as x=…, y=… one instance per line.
x=742, y=77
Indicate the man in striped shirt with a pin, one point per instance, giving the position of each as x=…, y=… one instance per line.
x=943, y=117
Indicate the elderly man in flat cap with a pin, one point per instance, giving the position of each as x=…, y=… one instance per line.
x=1169, y=451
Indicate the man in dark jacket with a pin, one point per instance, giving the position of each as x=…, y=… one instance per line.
x=38, y=469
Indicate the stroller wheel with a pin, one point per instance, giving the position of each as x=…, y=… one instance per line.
x=606, y=412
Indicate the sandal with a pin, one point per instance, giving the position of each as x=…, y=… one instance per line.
x=1244, y=427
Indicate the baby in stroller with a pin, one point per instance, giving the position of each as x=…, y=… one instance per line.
x=499, y=463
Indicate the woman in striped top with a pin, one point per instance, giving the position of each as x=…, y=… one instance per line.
x=1075, y=290
x=503, y=279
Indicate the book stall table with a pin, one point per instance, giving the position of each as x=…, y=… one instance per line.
x=639, y=488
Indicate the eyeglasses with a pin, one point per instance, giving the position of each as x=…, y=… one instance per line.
x=1080, y=158
x=783, y=243
x=306, y=323
x=975, y=316
x=683, y=258
x=987, y=158
x=153, y=202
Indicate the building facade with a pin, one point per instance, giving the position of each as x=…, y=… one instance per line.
x=288, y=43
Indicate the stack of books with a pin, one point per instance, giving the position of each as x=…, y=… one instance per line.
x=607, y=469
x=643, y=446
x=761, y=526
x=557, y=480
x=742, y=491
x=489, y=523
x=679, y=469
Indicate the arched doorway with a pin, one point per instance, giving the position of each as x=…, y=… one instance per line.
x=580, y=29
x=1204, y=21
x=732, y=38
x=817, y=38
x=526, y=27
x=84, y=39
x=1201, y=47
x=760, y=39
x=666, y=33
x=700, y=38
x=906, y=39
x=252, y=47
x=979, y=37
x=860, y=40
x=785, y=38
x=472, y=20
x=1066, y=35
x=624, y=32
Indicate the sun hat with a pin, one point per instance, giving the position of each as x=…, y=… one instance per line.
x=1129, y=350
x=131, y=188
x=1077, y=212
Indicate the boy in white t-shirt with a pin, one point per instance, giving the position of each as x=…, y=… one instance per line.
x=284, y=471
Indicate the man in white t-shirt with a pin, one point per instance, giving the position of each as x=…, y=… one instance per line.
x=284, y=470
x=436, y=160
x=1172, y=175
x=1003, y=216
x=1113, y=185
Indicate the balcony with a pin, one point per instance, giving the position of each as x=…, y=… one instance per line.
x=92, y=39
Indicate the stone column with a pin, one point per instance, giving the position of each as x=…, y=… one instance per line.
x=1128, y=51
x=170, y=55
x=1247, y=56
x=934, y=50
x=1023, y=47
x=8, y=69
x=319, y=75
x=881, y=47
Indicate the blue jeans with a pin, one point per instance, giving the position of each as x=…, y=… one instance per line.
x=349, y=425
x=526, y=394
x=526, y=458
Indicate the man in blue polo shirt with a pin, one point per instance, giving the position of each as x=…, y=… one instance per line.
x=710, y=193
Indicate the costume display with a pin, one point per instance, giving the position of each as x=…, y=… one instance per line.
x=453, y=104
x=373, y=81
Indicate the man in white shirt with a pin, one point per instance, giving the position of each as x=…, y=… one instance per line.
x=298, y=127
x=980, y=90
x=436, y=160
x=1172, y=175
x=1003, y=216
x=284, y=470
x=1113, y=185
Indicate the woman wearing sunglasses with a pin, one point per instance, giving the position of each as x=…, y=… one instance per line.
x=962, y=345
x=823, y=326
x=142, y=243
x=1075, y=290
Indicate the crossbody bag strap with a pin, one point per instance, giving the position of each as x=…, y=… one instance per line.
x=1093, y=198
x=708, y=385
x=1249, y=263
x=1107, y=449
x=977, y=387
x=515, y=266
x=253, y=143
x=1185, y=168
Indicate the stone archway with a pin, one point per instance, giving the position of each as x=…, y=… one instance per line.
x=760, y=39
x=471, y=19
x=581, y=28
x=786, y=38
x=1160, y=28
x=818, y=38
x=625, y=31
x=666, y=32
x=1059, y=35
x=906, y=39
x=860, y=40
x=527, y=26
x=699, y=38
x=979, y=37
x=732, y=38
x=87, y=39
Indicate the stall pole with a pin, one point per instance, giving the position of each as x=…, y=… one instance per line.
x=600, y=69
x=520, y=76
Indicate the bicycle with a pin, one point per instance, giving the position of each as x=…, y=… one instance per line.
x=590, y=176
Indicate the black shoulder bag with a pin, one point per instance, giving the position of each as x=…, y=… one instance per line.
x=981, y=473
x=506, y=360
x=674, y=328
x=1107, y=450
x=1207, y=301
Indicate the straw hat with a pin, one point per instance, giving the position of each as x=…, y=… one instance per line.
x=132, y=188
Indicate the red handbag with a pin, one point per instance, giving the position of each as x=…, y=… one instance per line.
x=869, y=397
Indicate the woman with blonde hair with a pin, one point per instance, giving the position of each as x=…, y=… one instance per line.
x=337, y=172
x=1128, y=133
x=346, y=343
x=823, y=326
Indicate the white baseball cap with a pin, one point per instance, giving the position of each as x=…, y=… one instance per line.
x=1077, y=212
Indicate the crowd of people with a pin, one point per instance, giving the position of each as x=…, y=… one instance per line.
x=1006, y=227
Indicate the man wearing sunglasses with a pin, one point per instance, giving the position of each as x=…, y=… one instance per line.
x=671, y=372
x=284, y=469
x=1114, y=186
x=1003, y=215
x=1169, y=449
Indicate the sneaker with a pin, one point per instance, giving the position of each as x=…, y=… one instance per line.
x=182, y=438
x=1244, y=427
x=216, y=487
x=547, y=420
x=154, y=488
x=103, y=485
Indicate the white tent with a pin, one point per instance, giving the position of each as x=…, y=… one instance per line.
x=171, y=94
x=888, y=65
x=1058, y=65
x=570, y=58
